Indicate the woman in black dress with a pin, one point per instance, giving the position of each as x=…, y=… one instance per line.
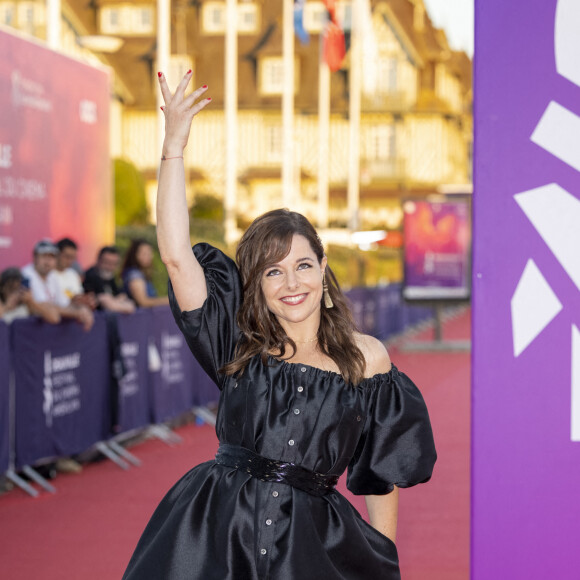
x=303, y=398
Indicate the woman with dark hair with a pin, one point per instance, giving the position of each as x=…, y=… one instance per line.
x=304, y=397
x=136, y=275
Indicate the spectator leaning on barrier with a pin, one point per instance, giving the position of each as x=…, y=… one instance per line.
x=137, y=275
x=45, y=286
x=69, y=277
x=16, y=300
x=100, y=282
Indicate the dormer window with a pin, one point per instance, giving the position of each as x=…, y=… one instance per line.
x=214, y=18
x=127, y=19
x=315, y=17
x=248, y=18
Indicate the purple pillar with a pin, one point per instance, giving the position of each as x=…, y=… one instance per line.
x=526, y=299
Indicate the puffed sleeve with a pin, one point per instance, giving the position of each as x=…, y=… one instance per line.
x=396, y=446
x=211, y=331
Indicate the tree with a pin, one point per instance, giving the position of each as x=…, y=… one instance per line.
x=130, y=198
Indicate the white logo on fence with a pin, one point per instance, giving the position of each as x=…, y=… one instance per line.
x=554, y=212
x=171, y=361
x=129, y=384
x=61, y=392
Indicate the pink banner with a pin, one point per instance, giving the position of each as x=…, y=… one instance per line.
x=55, y=177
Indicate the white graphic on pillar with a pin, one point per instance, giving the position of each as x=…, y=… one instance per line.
x=558, y=132
x=567, y=40
x=555, y=214
x=534, y=305
x=553, y=211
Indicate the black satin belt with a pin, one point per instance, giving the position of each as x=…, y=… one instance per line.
x=274, y=471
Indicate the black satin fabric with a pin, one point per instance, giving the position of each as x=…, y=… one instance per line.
x=221, y=523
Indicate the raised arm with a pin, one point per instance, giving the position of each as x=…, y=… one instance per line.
x=184, y=270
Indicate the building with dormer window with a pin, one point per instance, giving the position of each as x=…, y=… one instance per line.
x=415, y=122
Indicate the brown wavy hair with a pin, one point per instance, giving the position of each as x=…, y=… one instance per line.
x=268, y=241
x=131, y=260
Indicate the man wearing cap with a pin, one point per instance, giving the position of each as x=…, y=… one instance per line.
x=45, y=286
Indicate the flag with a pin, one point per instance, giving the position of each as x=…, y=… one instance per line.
x=303, y=36
x=331, y=7
x=333, y=48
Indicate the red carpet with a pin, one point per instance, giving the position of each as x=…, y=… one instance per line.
x=87, y=531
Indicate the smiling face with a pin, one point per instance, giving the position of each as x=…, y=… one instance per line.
x=292, y=288
x=108, y=265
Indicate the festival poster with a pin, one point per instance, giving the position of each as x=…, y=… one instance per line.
x=55, y=177
x=437, y=250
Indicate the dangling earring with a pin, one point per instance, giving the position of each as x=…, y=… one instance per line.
x=327, y=299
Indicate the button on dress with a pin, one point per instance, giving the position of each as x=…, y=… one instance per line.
x=220, y=523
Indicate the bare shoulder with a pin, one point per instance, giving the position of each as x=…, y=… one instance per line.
x=375, y=353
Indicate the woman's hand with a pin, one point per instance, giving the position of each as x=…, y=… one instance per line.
x=179, y=111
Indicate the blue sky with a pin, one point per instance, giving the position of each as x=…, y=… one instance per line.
x=456, y=18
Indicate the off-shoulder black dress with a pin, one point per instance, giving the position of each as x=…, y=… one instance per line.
x=222, y=523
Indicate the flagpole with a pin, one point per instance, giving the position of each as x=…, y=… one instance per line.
x=231, y=120
x=323, y=136
x=163, y=53
x=288, y=104
x=53, y=24
x=353, y=190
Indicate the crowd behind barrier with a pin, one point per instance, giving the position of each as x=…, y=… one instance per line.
x=73, y=389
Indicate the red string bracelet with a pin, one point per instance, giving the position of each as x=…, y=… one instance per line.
x=163, y=158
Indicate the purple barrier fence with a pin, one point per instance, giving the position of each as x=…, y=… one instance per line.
x=67, y=395
x=134, y=388
x=381, y=312
x=4, y=397
x=61, y=378
x=205, y=390
x=173, y=383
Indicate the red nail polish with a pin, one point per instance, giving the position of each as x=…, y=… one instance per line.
x=159, y=74
x=189, y=71
x=204, y=87
x=209, y=98
x=161, y=108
